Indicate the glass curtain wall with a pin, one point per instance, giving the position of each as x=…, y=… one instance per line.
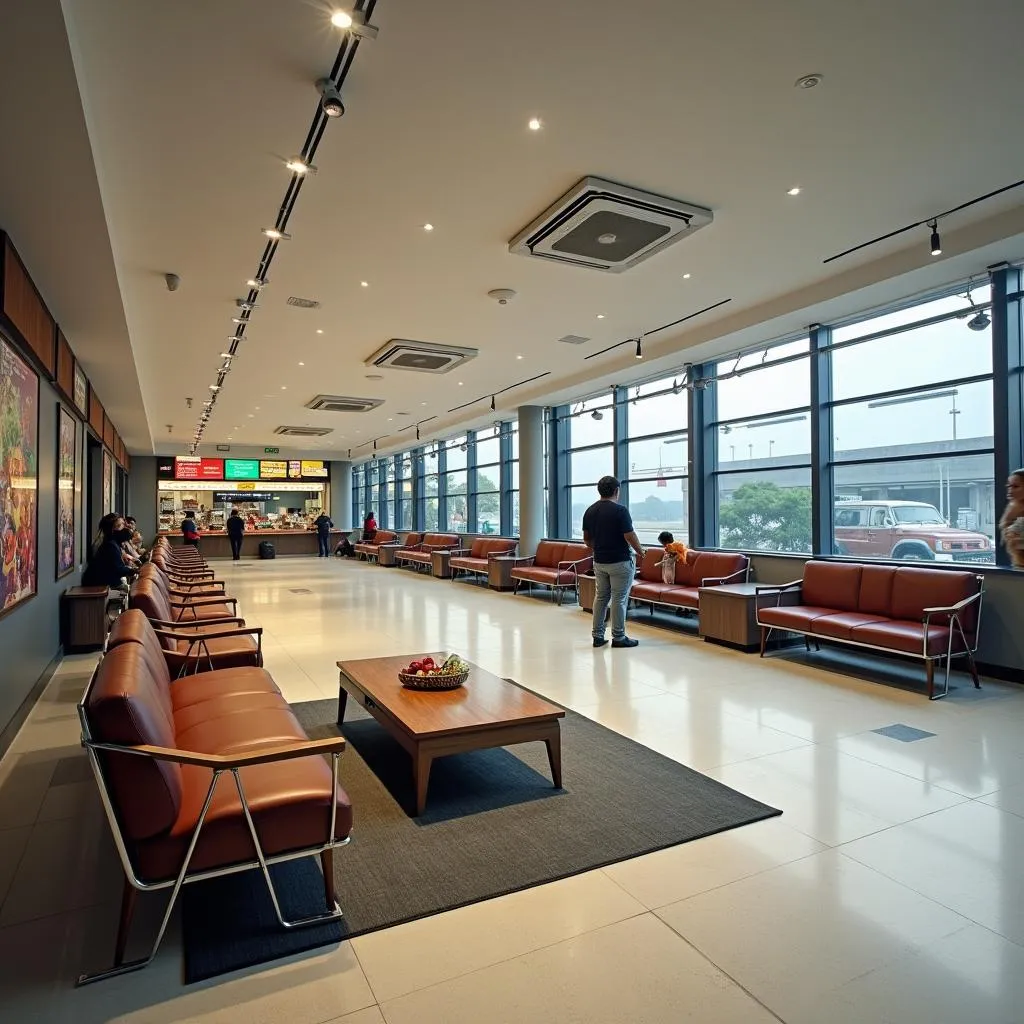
x=591, y=455
x=428, y=520
x=456, y=485
x=485, y=481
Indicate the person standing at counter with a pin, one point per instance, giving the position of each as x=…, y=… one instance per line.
x=190, y=532
x=323, y=526
x=235, y=527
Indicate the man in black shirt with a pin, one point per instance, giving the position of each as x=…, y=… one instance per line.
x=235, y=527
x=323, y=526
x=608, y=532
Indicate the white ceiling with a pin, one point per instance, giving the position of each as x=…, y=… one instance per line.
x=191, y=106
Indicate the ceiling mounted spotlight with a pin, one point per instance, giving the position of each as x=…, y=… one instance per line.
x=354, y=22
x=597, y=415
x=239, y=319
x=936, y=242
x=227, y=355
x=341, y=19
x=463, y=447
x=245, y=305
x=639, y=348
x=492, y=403
x=417, y=431
x=297, y=165
x=277, y=236
x=330, y=98
x=257, y=282
x=676, y=388
x=215, y=387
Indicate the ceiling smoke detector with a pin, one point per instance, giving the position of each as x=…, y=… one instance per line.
x=502, y=296
x=808, y=81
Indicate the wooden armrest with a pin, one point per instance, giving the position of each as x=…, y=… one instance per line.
x=959, y=606
x=202, y=601
x=198, y=638
x=279, y=752
x=191, y=623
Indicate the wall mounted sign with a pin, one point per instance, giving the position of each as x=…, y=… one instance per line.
x=273, y=470
x=186, y=468
x=271, y=451
x=81, y=395
x=316, y=470
x=241, y=469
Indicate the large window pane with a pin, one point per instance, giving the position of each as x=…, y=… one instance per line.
x=488, y=450
x=912, y=358
x=587, y=467
x=488, y=512
x=658, y=505
x=585, y=430
x=580, y=499
x=406, y=506
x=762, y=387
x=658, y=414
x=765, y=441
x=657, y=457
x=389, y=516
x=765, y=511
x=911, y=314
x=937, y=509
x=455, y=489
x=456, y=454
x=430, y=515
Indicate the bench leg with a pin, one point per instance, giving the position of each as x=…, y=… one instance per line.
x=327, y=866
x=930, y=669
x=129, y=898
x=764, y=639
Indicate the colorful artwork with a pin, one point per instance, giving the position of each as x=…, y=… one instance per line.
x=67, y=447
x=19, y=477
x=81, y=395
x=108, y=483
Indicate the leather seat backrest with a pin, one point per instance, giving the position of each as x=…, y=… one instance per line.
x=831, y=585
x=495, y=546
x=711, y=565
x=574, y=552
x=549, y=554
x=478, y=549
x=148, y=598
x=383, y=537
x=649, y=571
x=440, y=539
x=913, y=590
x=133, y=627
x=875, y=597
x=412, y=539
x=129, y=703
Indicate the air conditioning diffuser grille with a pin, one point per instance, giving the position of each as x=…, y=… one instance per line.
x=304, y=431
x=343, y=403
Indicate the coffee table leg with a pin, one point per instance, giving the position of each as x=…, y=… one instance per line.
x=342, y=701
x=421, y=778
x=554, y=745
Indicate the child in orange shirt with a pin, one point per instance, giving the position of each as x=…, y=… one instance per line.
x=674, y=550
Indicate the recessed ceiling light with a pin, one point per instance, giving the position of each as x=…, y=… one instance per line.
x=519, y=357
x=364, y=284
x=428, y=227
x=423, y=403
x=794, y=191
x=534, y=124
x=686, y=277
x=319, y=331
x=600, y=316
x=284, y=387
x=341, y=19
x=277, y=236
x=460, y=383
x=250, y=415
x=390, y=418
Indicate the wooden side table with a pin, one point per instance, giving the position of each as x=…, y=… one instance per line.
x=728, y=614
x=84, y=618
x=439, y=566
x=386, y=554
x=587, y=591
x=499, y=572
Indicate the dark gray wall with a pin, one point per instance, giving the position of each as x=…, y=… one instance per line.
x=142, y=495
x=1002, y=638
x=30, y=633
x=341, y=495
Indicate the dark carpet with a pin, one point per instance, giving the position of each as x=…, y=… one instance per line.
x=493, y=824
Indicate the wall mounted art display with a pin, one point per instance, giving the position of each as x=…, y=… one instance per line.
x=67, y=444
x=108, y=483
x=81, y=395
x=19, y=477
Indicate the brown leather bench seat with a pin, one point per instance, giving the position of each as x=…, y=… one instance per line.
x=368, y=548
x=929, y=614
x=151, y=596
x=556, y=564
x=476, y=557
x=698, y=569
x=386, y=552
x=184, y=731
x=419, y=554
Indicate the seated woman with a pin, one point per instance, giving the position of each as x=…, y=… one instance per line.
x=369, y=527
x=107, y=567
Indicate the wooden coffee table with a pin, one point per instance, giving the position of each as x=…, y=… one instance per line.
x=486, y=712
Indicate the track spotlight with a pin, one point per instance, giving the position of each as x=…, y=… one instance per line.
x=936, y=241
x=639, y=348
x=979, y=321
x=245, y=305
x=215, y=388
x=330, y=98
x=257, y=282
x=492, y=403
x=417, y=431
x=374, y=445
x=597, y=415
x=277, y=236
x=299, y=166
x=676, y=388
x=463, y=447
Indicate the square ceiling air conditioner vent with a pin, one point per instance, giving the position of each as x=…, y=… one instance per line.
x=573, y=339
x=343, y=403
x=608, y=227
x=304, y=431
x=420, y=356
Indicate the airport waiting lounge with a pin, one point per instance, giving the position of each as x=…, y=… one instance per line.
x=511, y=513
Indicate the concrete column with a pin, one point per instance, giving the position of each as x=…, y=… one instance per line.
x=341, y=495
x=531, y=478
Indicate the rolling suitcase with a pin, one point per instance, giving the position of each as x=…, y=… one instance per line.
x=267, y=549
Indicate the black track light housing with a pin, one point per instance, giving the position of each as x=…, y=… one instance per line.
x=936, y=242
x=492, y=403
x=330, y=98
x=639, y=348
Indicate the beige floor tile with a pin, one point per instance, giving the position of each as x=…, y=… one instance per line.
x=71, y=801
x=415, y=955
x=793, y=933
x=831, y=796
x=636, y=970
x=23, y=786
x=12, y=847
x=371, y=1015
x=667, y=876
x=967, y=858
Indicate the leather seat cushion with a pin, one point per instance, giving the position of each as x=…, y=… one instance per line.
x=648, y=591
x=841, y=624
x=797, y=617
x=224, y=682
x=907, y=637
x=223, y=652
x=402, y=555
x=684, y=597
x=468, y=563
x=194, y=613
x=267, y=723
x=540, y=574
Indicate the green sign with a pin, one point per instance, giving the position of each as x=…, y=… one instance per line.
x=271, y=451
x=241, y=469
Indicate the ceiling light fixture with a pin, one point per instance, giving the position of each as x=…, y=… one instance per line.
x=417, y=431
x=597, y=415
x=284, y=387
x=460, y=383
x=519, y=357
x=276, y=235
x=341, y=19
x=302, y=364
x=686, y=277
x=639, y=348
x=794, y=191
x=215, y=388
x=492, y=403
x=319, y=330
x=936, y=242
x=534, y=124
x=979, y=321
x=299, y=166
x=364, y=284
x=808, y=81
x=330, y=98
x=428, y=227
x=257, y=282
x=226, y=355
x=239, y=319
x=600, y=316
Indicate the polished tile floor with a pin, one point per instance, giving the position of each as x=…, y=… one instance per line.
x=890, y=890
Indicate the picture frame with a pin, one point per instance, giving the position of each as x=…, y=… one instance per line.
x=19, y=478
x=108, y=483
x=67, y=506
x=81, y=389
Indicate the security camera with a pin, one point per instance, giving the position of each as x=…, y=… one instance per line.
x=330, y=98
x=503, y=296
x=979, y=321
x=597, y=415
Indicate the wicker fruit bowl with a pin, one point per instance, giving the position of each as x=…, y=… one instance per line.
x=425, y=675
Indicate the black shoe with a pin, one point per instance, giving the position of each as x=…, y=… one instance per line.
x=626, y=641
x=599, y=643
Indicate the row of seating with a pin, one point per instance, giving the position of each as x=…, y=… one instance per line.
x=208, y=773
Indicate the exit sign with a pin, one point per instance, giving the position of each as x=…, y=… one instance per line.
x=271, y=451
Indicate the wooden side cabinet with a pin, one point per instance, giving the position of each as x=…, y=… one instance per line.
x=587, y=591
x=83, y=618
x=439, y=564
x=728, y=614
x=499, y=572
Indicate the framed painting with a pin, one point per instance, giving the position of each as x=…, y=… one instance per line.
x=108, y=482
x=19, y=478
x=67, y=451
x=81, y=395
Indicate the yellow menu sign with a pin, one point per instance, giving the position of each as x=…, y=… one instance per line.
x=273, y=470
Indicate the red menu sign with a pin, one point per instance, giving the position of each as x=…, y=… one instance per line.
x=198, y=469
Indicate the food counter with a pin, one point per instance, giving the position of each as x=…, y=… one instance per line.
x=286, y=542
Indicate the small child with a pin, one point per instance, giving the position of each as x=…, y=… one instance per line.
x=674, y=550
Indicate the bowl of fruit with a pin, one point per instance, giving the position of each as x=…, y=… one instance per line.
x=427, y=675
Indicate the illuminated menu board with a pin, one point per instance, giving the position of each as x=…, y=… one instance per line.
x=314, y=469
x=273, y=470
x=241, y=469
x=186, y=468
x=294, y=469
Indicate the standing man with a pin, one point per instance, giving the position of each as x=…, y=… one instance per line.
x=235, y=527
x=608, y=533
x=323, y=526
